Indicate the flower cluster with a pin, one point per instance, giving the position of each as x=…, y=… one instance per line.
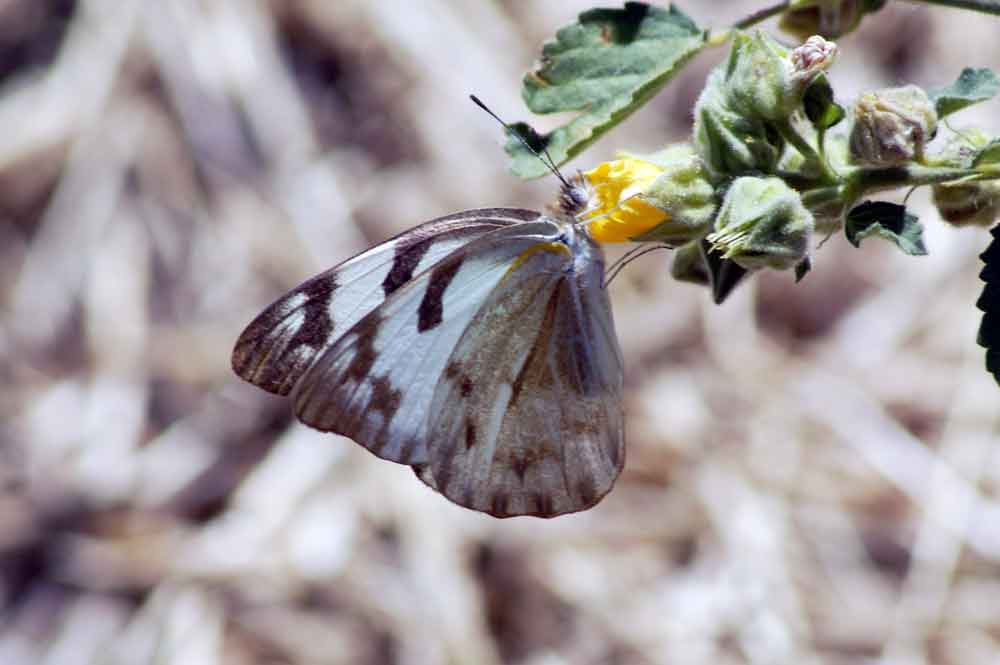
x=717, y=189
x=761, y=177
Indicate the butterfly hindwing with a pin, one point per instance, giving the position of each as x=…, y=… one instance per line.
x=527, y=417
x=279, y=345
x=376, y=383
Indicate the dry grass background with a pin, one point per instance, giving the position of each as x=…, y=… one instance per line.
x=813, y=472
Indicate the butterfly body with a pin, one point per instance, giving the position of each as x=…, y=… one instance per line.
x=478, y=348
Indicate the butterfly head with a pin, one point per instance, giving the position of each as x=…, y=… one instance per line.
x=577, y=199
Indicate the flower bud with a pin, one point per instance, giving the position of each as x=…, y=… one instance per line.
x=730, y=143
x=829, y=18
x=966, y=203
x=664, y=197
x=969, y=204
x=757, y=90
x=766, y=80
x=892, y=127
x=811, y=58
x=762, y=224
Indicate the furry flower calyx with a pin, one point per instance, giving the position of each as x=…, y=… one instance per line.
x=762, y=224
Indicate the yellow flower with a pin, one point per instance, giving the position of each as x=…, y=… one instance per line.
x=620, y=212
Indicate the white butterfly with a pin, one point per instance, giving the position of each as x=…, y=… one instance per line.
x=478, y=348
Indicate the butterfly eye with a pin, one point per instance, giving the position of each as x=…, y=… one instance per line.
x=580, y=196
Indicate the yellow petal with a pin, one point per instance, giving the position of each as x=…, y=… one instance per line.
x=620, y=213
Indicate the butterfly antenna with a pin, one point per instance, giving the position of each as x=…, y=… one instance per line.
x=629, y=257
x=544, y=155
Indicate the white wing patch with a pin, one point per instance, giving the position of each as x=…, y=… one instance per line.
x=278, y=347
x=377, y=382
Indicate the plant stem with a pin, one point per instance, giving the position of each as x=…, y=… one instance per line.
x=806, y=149
x=815, y=198
x=984, y=6
x=761, y=15
x=871, y=179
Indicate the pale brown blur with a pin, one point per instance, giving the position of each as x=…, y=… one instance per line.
x=812, y=471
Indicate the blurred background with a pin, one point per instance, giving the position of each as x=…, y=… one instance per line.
x=813, y=472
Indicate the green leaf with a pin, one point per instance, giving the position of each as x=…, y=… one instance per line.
x=820, y=108
x=989, y=303
x=973, y=86
x=886, y=220
x=605, y=66
x=989, y=154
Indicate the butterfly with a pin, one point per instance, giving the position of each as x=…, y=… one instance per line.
x=478, y=348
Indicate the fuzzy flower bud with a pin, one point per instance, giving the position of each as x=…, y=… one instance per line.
x=967, y=203
x=663, y=197
x=730, y=143
x=762, y=224
x=815, y=55
x=747, y=98
x=892, y=127
x=766, y=80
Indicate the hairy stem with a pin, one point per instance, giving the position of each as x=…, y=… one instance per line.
x=816, y=198
x=871, y=179
x=806, y=149
x=761, y=15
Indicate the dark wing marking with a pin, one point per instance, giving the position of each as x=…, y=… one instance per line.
x=376, y=383
x=279, y=345
x=528, y=414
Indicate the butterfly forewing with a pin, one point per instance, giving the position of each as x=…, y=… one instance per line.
x=376, y=383
x=278, y=347
x=527, y=417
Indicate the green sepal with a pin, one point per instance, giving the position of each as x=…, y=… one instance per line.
x=989, y=154
x=820, y=108
x=728, y=142
x=605, y=66
x=689, y=265
x=697, y=263
x=971, y=87
x=886, y=220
